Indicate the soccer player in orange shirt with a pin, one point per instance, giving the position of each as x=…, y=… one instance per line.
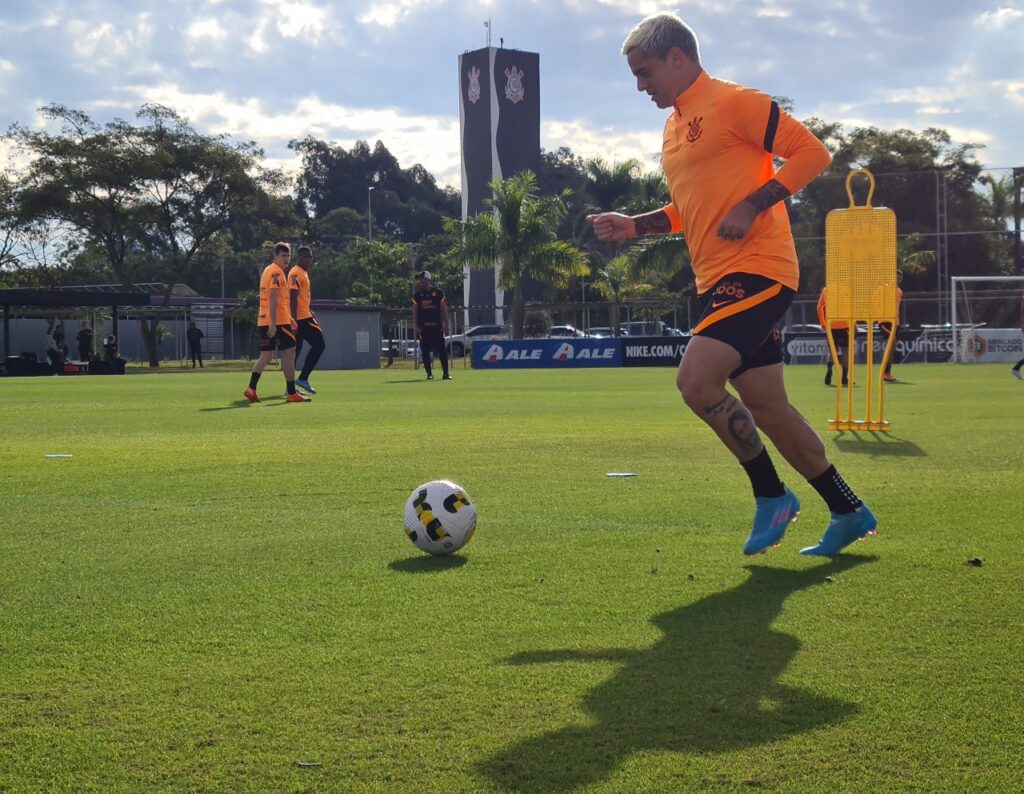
x=842, y=341
x=275, y=326
x=717, y=153
x=309, y=328
x=893, y=330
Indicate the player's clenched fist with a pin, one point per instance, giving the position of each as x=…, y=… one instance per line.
x=612, y=226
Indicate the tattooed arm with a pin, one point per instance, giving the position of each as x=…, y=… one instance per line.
x=737, y=221
x=614, y=226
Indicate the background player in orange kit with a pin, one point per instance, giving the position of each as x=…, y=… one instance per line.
x=275, y=326
x=309, y=328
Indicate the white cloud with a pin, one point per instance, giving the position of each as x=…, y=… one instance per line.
x=773, y=10
x=412, y=138
x=6, y=71
x=301, y=20
x=389, y=14
x=209, y=28
x=1000, y=19
x=102, y=44
x=608, y=143
x=642, y=8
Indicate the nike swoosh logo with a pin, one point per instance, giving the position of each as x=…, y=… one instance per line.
x=719, y=303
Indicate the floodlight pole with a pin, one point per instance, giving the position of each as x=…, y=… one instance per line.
x=369, y=225
x=1018, y=183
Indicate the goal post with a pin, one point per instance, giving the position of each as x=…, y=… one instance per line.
x=986, y=316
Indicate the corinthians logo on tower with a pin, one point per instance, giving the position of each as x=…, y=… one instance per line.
x=473, y=94
x=514, y=91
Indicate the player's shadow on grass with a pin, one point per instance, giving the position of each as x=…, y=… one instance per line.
x=709, y=685
x=877, y=444
x=428, y=563
x=229, y=407
x=268, y=401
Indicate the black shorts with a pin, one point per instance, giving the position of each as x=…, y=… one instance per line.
x=432, y=339
x=843, y=338
x=284, y=339
x=309, y=331
x=743, y=310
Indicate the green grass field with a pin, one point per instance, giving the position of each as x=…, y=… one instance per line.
x=210, y=592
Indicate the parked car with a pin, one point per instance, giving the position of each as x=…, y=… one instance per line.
x=403, y=349
x=647, y=328
x=604, y=332
x=460, y=344
x=566, y=331
x=804, y=328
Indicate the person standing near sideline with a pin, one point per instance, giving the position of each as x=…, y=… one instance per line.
x=1017, y=367
x=85, y=337
x=893, y=330
x=275, y=327
x=309, y=328
x=195, y=344
x=840, y=340
x=56, y=347
x=430, y=319
x=717, y=153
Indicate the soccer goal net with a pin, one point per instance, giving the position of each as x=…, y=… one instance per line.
x=987, y=313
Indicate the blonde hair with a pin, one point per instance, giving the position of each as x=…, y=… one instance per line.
x=282, y=248
x=659, y=33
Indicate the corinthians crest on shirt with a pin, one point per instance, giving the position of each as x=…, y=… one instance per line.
x=473, y=93
x=514, y=91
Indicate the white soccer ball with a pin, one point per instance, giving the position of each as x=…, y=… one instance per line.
x=440, y=517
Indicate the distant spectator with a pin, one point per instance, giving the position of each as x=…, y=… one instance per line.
x=55, y=348
x=893, y=330
x=1016, y=367
x=842, y=341
x=85, y=337
x=195, y=345
x=111, y=356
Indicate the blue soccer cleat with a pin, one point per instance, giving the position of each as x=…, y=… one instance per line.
x=844, y=530
x=770, y=521
x=303, y=384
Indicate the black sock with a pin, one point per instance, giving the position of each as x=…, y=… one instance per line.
x=1018, y=365
x=763, y=477
x=254, y=378
x=290, y=384
x=836, y=493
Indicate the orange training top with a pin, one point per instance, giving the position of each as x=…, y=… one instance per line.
x=838, y=324
x=717, y=150
x=273, y=278
x=298, y=281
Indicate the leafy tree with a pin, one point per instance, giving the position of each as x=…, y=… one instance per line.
x=912, y=169
x=407, y=203
x=519, y=237
x=153, y=196
x=10, y=224
x=612, y=186
x=617, y=281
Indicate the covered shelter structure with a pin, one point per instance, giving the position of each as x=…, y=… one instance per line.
x=43, y=302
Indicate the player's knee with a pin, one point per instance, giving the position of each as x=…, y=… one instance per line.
x=696, y=391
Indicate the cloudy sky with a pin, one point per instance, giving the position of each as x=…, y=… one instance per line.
x=274, y=70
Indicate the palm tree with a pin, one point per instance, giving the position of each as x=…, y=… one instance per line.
x=1000, y=198
x=519, y=236
x=617, y=280
x=612, y=185
x=913, y=261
